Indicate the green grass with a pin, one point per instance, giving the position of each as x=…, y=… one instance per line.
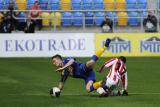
x=25, y=82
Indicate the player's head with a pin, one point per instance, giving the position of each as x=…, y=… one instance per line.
x=57, y=60
x=122, y=58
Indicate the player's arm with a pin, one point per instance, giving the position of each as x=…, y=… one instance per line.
x=124, y=79
x=70, y=62
x=62, y=81
x=107, y=64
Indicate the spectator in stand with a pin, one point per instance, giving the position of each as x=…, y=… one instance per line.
x=29, y=25
x=150, y=23
x=1, y=17
x=5, y=26
x=12, y=19
x=107, y=25
x=36, y=14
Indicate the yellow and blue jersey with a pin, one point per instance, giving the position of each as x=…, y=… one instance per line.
x=77, y=70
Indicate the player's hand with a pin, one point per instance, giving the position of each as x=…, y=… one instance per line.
x=60, y=69
x=125, y=93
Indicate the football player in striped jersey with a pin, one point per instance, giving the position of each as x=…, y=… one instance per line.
x=117, y=72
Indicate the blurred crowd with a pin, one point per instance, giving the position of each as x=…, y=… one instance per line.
x=21, y=21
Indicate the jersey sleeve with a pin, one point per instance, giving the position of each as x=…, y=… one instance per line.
x=110, y=63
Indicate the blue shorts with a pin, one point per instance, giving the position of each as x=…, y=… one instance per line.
x=88, y=73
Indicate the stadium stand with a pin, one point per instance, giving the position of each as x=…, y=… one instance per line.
x=21, y=4
x=109, y=4
x=65, y=4
x=132, y=18
x=131, y=4
x=56, y=19
x=45, y=18
x=122, y=12
x=66, y=18
x=99, y=17
x=98, y=5
x=78, y=18
x=76, y=5
x=54, y=4
x=120, y=4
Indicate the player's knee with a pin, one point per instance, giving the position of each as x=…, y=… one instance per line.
x=88, y=89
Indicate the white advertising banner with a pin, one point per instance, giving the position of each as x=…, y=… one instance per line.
x=47, y=45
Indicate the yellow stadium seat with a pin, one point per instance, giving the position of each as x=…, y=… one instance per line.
x=109, y=4
x=21, y=4
x=56, y=19
x=65, y=4
x=120, y=4
x=45, y=18
x=122, y=18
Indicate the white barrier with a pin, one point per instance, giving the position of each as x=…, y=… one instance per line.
x=47, y=45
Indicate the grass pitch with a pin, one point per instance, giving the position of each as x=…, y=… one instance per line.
x=25, y=82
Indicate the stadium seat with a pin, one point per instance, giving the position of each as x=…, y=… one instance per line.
x=98, y=4
x=141, y=4
x=45, y=18
x=77, y=18
x=143, y=15
x=30, y=3
x=99, y=18
x=43, y=4
x=56, y=19
x=87, y=4
x=1, y=4
x=21, y=4
x=65, y=4
x=122, y=18
x=113, y=16
x=89, y=18
x=109, y=4
x=132, y=19
x=6, y=3
x=120, y=4
x=66, y=18
x=76, y=5
x=54, y=4
x=131, y=4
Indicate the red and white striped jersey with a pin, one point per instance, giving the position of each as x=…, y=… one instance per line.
x=117, y=71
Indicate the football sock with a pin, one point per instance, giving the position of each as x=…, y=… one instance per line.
x=100, y=52
x=98, y=84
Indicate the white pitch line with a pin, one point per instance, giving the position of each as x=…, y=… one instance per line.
x=76, y=94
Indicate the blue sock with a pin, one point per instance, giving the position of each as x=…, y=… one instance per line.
x=94, y=57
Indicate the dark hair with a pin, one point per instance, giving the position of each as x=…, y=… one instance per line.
x=122, y=58
x=57, y=56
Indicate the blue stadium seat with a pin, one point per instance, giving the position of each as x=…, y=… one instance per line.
x=99, y=18
x=43, y=4
x=89, y=18
x=87, y=4
x=66, y=18
x=141, y=4
x=7, y=2
x=78, y=18
x=1, y=4
x=113, y=16
x=22, y=16
x=76, y=5
x=131, y=4
x=132, y=19
x=143, y=15
x=54, y=4
x=30, y=3
x=98, y=4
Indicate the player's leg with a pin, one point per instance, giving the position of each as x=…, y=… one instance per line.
x=91, y=85
x=95, y=57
